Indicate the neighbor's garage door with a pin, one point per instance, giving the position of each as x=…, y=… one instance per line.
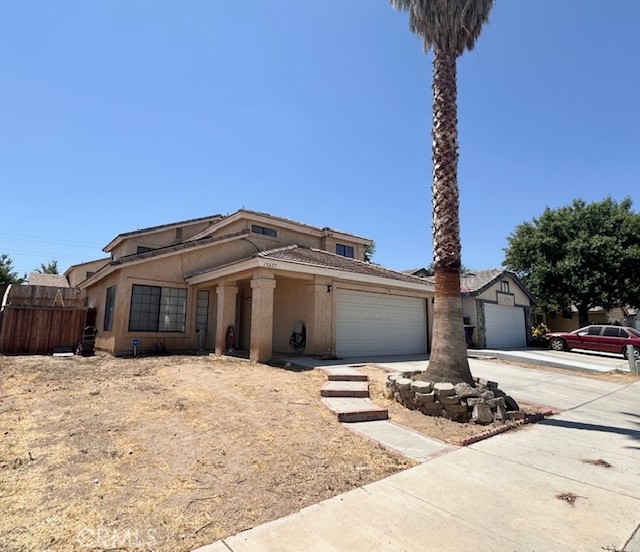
x=376, y=324
x=505, y=326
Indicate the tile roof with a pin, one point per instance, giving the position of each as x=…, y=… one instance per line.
x=212, y=228
x=48, y=280
x=164, y=226
x=320, y=258
x=473, y=282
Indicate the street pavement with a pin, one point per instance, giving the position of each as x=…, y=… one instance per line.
x=568, y=483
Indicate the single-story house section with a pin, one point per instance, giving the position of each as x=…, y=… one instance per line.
x=619, y=316
x=48, y=280
x=497, y=308
x=279, y=284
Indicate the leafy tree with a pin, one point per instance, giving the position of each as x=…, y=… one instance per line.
x=49, y=268
x=369, y=252
x=7, y=274
x=449, y=27
x=586, y=255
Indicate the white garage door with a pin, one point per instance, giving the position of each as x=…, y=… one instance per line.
x=376, y=324
x=505, y=326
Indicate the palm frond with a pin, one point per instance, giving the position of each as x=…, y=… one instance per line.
x=449, y=25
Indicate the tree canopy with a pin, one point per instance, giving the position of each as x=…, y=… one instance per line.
x=583, y=254
x=49, y=268
x=7, y=274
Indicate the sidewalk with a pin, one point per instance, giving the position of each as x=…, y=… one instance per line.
x=512, y=492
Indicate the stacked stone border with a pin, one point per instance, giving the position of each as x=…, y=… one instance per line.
x=482, y=403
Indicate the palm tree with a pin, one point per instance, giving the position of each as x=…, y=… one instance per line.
x=449, y=27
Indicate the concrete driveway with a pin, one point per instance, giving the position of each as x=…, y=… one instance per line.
x=574, y=359
x=569, y=483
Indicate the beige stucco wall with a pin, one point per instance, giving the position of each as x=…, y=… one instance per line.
x=160, y=238
x=289, y=306
x=78, y=273
x=162, y=273
x=521, y=298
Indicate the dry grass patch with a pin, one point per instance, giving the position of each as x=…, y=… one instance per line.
x=166, y=453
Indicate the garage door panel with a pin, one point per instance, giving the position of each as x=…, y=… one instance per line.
x=377, y=324
x=504, y=326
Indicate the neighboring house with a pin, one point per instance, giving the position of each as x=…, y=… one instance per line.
x=497, y=308
x=48, y=280
x=621, y=316
x=80, y=272
x=261, y=275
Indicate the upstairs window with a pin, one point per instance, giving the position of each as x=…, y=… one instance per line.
x=504, y=286
x=143, y=249
x=344, y=250
x=263, y=230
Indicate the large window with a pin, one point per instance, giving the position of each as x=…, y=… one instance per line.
x=109, y=307
x=344, y=250
x=158, y=309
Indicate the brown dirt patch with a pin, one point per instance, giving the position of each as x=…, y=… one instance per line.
x=165, y=453
x=454, y=433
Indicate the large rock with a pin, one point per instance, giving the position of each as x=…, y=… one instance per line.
x=444, y=389
x=501, y=413
x=449, y=399
x=496, y=401
x=431, y=408
x=481, y=414
x=424, y=398
x=421, y=386
x=464, y=390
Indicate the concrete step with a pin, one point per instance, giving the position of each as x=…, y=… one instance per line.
x=358, y=389
x=344, y=373
x=355, y=410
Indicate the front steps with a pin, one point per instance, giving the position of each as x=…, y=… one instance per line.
x=346, y=394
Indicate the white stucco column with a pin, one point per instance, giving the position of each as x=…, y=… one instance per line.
x=261, y=341
x=319, y=301
x=226, y=314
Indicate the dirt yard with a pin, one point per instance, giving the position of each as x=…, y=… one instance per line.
x=165, y=453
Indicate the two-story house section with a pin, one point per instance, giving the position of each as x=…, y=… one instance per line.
x=256, y=276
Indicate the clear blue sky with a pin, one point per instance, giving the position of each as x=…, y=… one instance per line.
x=125, y=114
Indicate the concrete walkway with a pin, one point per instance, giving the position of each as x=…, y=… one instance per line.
x=545, y=487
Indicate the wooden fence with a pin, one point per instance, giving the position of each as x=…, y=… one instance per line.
x=37, y=319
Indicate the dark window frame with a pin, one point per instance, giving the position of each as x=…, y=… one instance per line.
x=150, y=303
x=504, y=286
x=109, y=309
x=263, y=230
x=344, y=250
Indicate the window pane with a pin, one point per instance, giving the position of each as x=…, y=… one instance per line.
x=109, y=308
x=611, y=332
x=202, y=309
x=594, y=330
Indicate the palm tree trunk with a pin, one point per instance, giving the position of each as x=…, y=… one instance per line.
x=448, y=360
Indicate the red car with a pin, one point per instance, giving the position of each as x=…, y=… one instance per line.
x=608, y=339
